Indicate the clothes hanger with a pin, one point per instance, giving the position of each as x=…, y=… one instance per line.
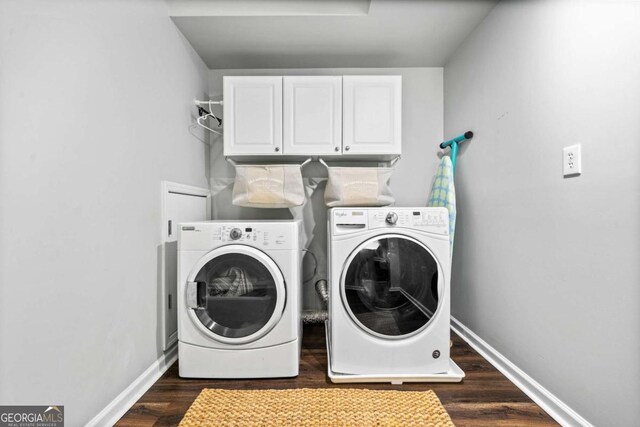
x=203, y=115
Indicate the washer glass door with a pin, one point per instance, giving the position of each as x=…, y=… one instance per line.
x=240, y=296
x=390, y=286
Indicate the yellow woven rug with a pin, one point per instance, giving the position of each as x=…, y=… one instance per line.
x=316, y=407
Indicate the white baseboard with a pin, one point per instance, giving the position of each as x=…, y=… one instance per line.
x=130, y=395
x=556, y=408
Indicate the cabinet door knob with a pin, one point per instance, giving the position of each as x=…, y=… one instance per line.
x=336, y=149
x=277, y=149
x=346, y=148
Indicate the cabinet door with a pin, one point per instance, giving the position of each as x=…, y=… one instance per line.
x=372, y=121
x=312, y=115
x=252, y=115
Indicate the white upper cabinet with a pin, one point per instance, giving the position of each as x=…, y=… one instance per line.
x=312, y=115
x=372, y=120
x=252, y=115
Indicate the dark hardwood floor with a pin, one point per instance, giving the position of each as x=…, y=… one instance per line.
x=484, y=398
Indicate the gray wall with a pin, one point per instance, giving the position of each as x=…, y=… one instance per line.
x=96, y=100
x=546, y=268
x=422, y=118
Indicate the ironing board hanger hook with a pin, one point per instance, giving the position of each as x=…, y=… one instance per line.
x=453, y=144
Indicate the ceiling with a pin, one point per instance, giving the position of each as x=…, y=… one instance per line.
x=327, y=33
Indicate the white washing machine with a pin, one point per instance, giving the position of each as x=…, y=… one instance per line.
x=239, y=299
x=389, y=295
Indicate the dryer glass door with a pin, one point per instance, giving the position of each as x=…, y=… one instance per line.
x=390, y=286
x=239, y=296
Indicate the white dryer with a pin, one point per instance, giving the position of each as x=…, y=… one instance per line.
x=389, y=295
x=239, y=299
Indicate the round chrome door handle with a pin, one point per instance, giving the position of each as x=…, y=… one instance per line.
x=391, y=218
x=346, y=148
x=336, y=149
x=277, y=149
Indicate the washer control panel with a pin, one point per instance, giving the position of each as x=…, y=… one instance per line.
x=430, y=218
x=349, y=220
x=409, y=218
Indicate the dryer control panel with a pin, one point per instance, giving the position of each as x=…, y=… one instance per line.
x=349, y=220
x=258, y=234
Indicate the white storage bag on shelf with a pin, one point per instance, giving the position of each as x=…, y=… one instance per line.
x=358, y=186
x=268, y=186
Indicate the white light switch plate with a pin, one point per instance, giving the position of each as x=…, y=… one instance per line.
x=571, y=160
